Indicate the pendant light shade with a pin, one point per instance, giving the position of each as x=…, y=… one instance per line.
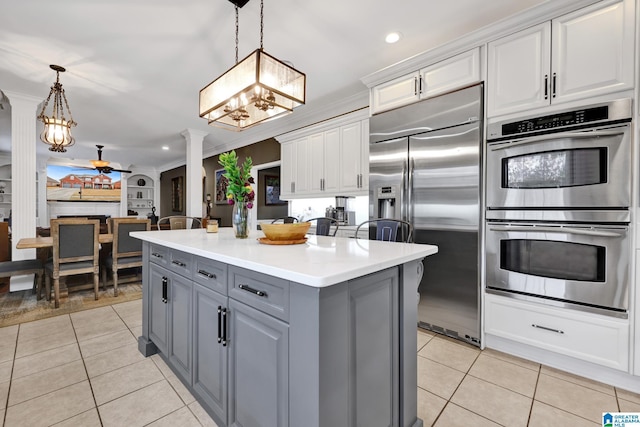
x=57, y=128
x=258, y=88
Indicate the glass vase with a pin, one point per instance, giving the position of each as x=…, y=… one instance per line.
x=240, y=220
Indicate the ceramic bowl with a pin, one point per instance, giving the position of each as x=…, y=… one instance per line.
x=295, y=231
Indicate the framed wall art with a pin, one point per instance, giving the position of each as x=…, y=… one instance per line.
x=177, y=194
x=272, y=190
x=221, y=187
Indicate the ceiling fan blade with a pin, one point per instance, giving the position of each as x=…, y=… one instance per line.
x=121, y=170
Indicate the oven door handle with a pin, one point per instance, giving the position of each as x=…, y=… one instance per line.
x=541, y=138
x=561, y=230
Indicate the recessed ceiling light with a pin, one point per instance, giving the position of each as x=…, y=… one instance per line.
x=393, y=37
x=165, y=147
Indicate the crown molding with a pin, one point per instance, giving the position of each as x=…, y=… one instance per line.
x=509, y=25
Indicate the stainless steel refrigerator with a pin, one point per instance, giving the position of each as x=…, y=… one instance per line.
x=425, y=169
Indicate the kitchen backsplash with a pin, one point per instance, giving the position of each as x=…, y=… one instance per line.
x=304, y=209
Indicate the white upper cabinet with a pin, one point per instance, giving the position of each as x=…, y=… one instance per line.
x=444, y=76
x=519, y=67
x=582, y=54
x=328, y=161
x=294, y=169
x=351, y=146
x=593, y=49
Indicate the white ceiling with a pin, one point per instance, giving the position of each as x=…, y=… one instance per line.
x=135, y=67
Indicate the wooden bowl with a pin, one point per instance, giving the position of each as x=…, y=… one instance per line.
x=295, y=231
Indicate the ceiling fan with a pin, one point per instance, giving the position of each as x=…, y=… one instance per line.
x=102, y=166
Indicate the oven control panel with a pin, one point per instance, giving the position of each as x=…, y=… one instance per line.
x=555, y=121
x=614, y=111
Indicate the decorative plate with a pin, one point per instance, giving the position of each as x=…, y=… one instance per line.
x=142, y=182
x=266, y=241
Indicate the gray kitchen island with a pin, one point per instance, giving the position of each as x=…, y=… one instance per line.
x=316, y=334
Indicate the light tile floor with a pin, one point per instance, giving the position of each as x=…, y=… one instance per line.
x=89, y=373
x=84, y=369
x=459, y=385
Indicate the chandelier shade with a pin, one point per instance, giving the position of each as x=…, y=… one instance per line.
x=57, y=128
x=256, y=89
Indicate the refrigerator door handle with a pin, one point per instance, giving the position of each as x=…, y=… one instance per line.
x=403, y=198
x=410, y=192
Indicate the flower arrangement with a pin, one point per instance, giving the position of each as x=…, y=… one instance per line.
x=239, y=187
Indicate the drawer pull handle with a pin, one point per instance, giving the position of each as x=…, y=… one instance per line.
x=557, y=331
x=253, y=291
x=178, y=263
x=219, y=324
x=207, y=274
x=164, y=289
x=156, y=254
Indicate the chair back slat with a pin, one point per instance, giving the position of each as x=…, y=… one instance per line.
x=180, y=222
x=388, y=229
x=323, y=226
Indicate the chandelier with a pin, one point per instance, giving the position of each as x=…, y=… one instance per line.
x=258, y=88
x=57, y=129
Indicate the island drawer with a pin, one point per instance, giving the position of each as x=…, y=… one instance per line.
x=180, y=262
x=159, y=255
x=265, y=293
x=211, y=274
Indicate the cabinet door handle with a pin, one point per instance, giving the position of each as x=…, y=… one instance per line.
x=553, y=89
x=219, y=324
x=224, y=327
x=164, y=289
x=557, y=331
x=156, y=254
x=546, y=86
x=415, y=86
x=178, y=263
x=207, y=274
x=253, y=291
x=293, y=187
x=420, y=84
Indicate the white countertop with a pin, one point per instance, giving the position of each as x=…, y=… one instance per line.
x=321, y=261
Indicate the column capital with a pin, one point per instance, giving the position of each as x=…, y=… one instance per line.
x=26, y=100
x=193, y=134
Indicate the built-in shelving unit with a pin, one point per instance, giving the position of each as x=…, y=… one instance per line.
x=140, y=194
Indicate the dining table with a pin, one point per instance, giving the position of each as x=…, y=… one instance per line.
x=42, y=242
x=46, y=242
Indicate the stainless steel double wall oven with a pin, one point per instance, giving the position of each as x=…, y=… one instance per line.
x=558, y=198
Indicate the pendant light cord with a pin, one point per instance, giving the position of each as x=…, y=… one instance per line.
x=261, y=22
x=237, y=30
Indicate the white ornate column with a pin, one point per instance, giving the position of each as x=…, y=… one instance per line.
x=23, y=178
x=194, y=200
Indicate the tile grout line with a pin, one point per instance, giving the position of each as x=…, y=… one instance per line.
x=13, y=363
x=86, y=372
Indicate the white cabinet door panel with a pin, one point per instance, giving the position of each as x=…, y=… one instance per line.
x=400, y=91
x=591, y=51
x=518, y=71
x=452, y=73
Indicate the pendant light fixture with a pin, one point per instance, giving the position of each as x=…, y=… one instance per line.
x=258, y=88
x=57, y=129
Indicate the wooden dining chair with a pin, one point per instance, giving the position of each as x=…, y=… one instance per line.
x=180, y=222
x=75, y=251
x=126, y=251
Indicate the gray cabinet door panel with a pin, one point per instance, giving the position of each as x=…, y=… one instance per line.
x=258, y=369
x=158, y=318
x=210, y=357
x=180, y=325
x=373, y=322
